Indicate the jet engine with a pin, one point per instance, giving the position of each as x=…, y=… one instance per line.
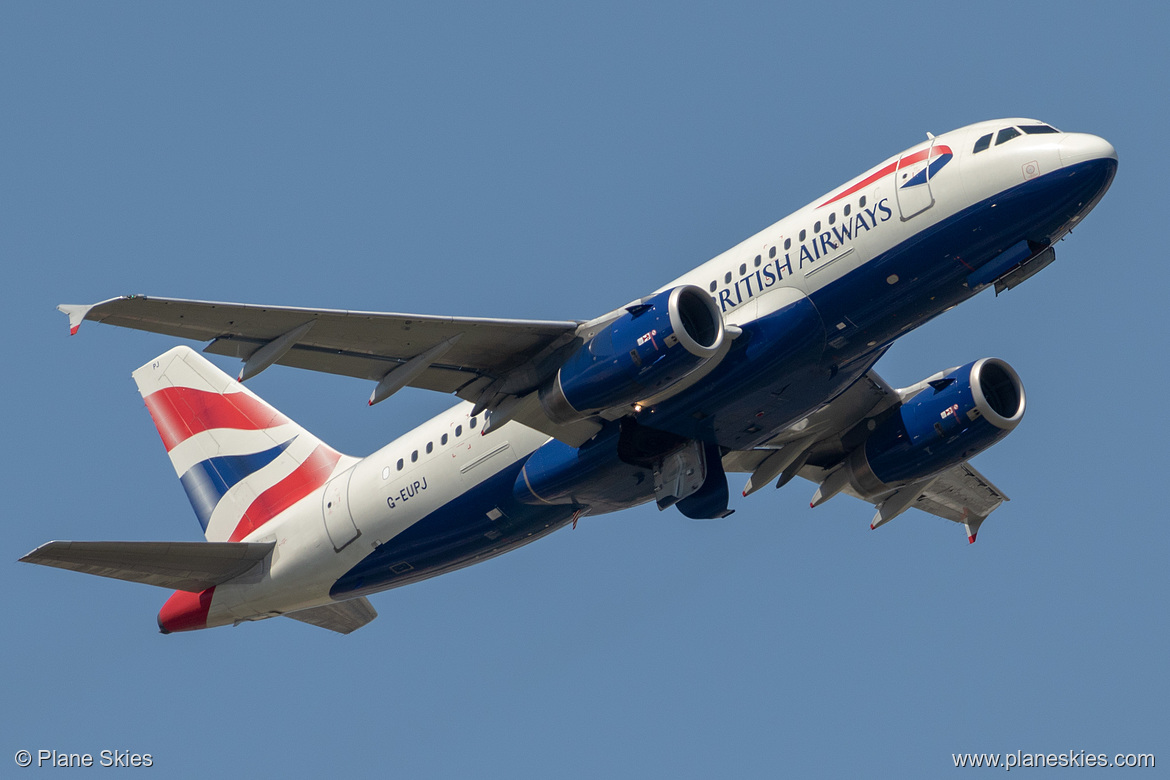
x=644, y=352
x=949, y=421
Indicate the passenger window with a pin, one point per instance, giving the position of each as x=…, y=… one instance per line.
x=832, y=218
x=458, y=430
x=430, y=447
x=742, y=269
x=787, y=243
x=802, y=235
x=760, y=259
x=400, y=464
x=817, y=226
x=414, y=457
x=714, y=284
x=472, y=423
x=443, y=439
x=1005, y=135
x=1038, y=129
x=982, y=143
x=861, y=203
x=846, y=211
x=727, y=278
x=771, y=252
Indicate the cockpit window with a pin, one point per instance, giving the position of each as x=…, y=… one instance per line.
x=1005, y=135
x=982, y=143
x=1038, y=129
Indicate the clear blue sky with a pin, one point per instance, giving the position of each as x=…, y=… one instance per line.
x=522, y=160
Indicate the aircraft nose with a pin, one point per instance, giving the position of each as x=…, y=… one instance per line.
x=1082, y=147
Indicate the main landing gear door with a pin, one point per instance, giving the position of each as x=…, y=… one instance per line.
x=339, y=522
x=912, y=186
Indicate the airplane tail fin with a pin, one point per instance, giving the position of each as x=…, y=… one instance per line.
x=240, y=461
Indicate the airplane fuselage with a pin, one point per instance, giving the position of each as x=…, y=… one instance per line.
x=818, y=297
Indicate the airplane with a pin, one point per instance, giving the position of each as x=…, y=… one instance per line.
x=760, y=362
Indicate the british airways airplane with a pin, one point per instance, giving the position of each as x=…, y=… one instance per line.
x=759, y=361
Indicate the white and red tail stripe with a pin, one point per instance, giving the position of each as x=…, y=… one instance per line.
x=241, y=461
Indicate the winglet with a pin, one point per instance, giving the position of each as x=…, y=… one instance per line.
x=76, y=313
x=972, y=526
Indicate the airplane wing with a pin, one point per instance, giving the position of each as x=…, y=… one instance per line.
x=823, y=437
x=962, y=495
x=812, y=447
x=189, y=566
x=360, y=344
x=486, y=361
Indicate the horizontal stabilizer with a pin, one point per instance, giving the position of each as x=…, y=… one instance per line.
x=344, y=617
x=189, y=566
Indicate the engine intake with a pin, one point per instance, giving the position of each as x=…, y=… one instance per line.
x=644, y=352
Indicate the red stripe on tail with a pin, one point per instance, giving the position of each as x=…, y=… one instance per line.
x=181, y=412
x=309, y=476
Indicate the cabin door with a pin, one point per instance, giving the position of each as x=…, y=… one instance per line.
x=339, y=522
x=912, y=187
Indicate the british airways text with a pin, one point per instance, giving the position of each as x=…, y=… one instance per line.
x=817, y=248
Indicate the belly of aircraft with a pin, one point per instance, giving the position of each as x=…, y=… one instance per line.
x=479, y=524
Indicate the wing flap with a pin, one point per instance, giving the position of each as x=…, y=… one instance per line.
x=189, y=566
x=822, y=431
x=344, y=617
x=442, y=378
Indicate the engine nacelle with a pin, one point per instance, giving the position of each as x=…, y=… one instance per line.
x=593, y=474
x=953, y=419
x=651, y=347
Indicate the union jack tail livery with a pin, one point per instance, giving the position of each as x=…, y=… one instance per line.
x=241, y=461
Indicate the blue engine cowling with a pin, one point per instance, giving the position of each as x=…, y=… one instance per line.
x=651, y=347
x=952, y=419
x=592, y=475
